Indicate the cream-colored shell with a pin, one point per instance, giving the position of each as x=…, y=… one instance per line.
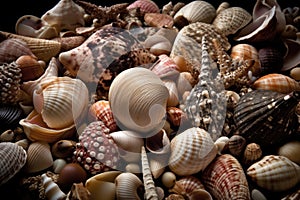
x=191, y=151
x=127, y=185
x=52, y=190
x=291, y=151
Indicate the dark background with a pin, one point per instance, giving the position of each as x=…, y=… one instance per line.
x=10, y=13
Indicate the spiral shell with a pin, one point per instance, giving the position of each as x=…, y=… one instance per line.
x=193, y=147
x=52, y=190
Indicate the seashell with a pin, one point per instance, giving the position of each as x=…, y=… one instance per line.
x=78, y=191
x=65, y=15
x=96, y=151
x=24, y=143
x=245, y=52
x=39, y=157
x=7, y=136
x=252, y=153
x=292, y=196
x=295, y=73
x=200, y=194
x=176, y=116
x=159, y=20
x=290, y=32
x=13, y=158
x=266, y=117
x=185, y=82
x=186, y=185
x=271, y=59
x=10, y=115
x=43, y=49
x=52, y=190
x=145, y=6
x=193, y=147
x=174, y=197
x=222, y=144
x=58, y=165
x=63, y=148
x=128, y=144
x=133, y=168
x=196, y=11
x=31, y=68
x=69, y=42
x=275, y=173
x=291, y=57
x=232, y=19
x=257, y=195
x=289, y=150
x=173, y=99
x=134, y=104
x=12, y=48
x=225, y=173
x=165, y=67
x=158, y=45
x=236, y=145
x=102, y=185
x=10, y=74
x=276, y=82
x=100, y=110
x=222, y=6
x=168, y=179
x=128, y=186
x=33, y=26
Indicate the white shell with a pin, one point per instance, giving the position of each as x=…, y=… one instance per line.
x=127, y=185
x=52, y=190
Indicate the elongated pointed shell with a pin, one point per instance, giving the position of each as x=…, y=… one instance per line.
x=193, y=148
x=225, y=179
x=275, y=173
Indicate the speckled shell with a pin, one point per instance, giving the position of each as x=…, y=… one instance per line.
x=65, y=15
x=266, y=117
x=194, y=148
x=225, y=179
x=277, y=82
x=138, y=100
x=275, y=173
x=145, y=6
x=232, y=19
x=13, y=158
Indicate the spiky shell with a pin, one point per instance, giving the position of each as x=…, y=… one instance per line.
x=224, y=178
x=266, y=117
x=275, y=173
x=194, y=148
x=13, y=158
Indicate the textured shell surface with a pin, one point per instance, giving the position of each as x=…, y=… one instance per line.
x=186, y=185
x=271, y=59
x=236, y=145
x=275, y=173
x=252, y=154
x=52, y=190
x=193, y=147
x=13, y=158
x=127, y=186
x=31, y=68
x=158, y=20
x=224, y=178
x=232, y=19
x=145, y=6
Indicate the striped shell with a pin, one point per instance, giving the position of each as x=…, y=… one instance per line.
x=232, y=19
x=186, y=185
x=277, y=82
x=271, y=59
x=236, y=145
x=251, y=154
x=225, y=179
x=13, y=158
x=290, y=150
x=194, y=148
x=275, y=173
x=145, y=6
x=10, y=115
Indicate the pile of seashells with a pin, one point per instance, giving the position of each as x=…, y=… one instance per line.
x=133, y=101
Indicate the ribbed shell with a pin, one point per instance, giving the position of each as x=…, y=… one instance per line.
x=225, y=179
x=275, y=173
x=252, y=153
x=193, y=148
x=145, y=6
x=10, y=116
x=266, y=117
x=13, y=158
x=186, y=185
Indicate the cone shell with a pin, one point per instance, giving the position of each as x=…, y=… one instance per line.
x=290, y=150
x=193, y=147
x=232, y=19
x=277, y=82
x=13, y=158
x=225, y=179
x=275, y=173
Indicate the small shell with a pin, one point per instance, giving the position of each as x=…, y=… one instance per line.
x=58, y=165
x=176, y=116
x=252, y=154
x=145, y=6
x=277, y=82
x=13, y=158
x=222, y=144
x=186, y=185
x=52, y=190
x=63, y=148
x=165, y=66
x=236, y=145
x=127, y=186
x=193, y=147
x=10, y=116
x=275, y=173
x=168, y=179
x=257, y=195
x=271, y=59
x=158, y=20
x=295, y=73
x=7, y=136
x=31, y=68
x=290, y=150
x=173, y=99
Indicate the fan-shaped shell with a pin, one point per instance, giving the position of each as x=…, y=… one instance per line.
x=138, y=101
x=193, y=148
x=13, y=158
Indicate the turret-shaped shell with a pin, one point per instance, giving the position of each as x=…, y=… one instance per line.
x=193, y=148
x=52, y=190
x=138, y=100
x=225, y=179
x=275, y=173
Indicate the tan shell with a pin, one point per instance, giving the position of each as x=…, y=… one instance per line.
x=275, y=173
x=291, y=151
x=236, y=145
x=194, y=148
x=159, y=20
x=31, y=68
x=168, y=179
x=127, y=185
x=252, y=154
x=186, y=185
x=173, y=99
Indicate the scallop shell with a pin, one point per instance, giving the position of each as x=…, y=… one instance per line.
x=31, y=68
x=145, y=6
x=165, y=66
x=127, y=186
x=252, y=154
x=65, y=15
x=224, y=178
x=13, y=158
x=39, y=157
x=134, y=104
x=193, y=147
x=275, y=173
x=290, y=150
x=276, y=82
x=232, y=19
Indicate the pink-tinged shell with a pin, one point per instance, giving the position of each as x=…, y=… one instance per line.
x=176, y=116
x=225, y=179
x=275, y=173
x=277, y=82
x=96, y=150
x=186, y=185
x=13, y=158
x=145, y=6
x=158, y=20
x=165, y=66
x=31, y=68
x=194, y=148
x=100, y=110
x=252, y=154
